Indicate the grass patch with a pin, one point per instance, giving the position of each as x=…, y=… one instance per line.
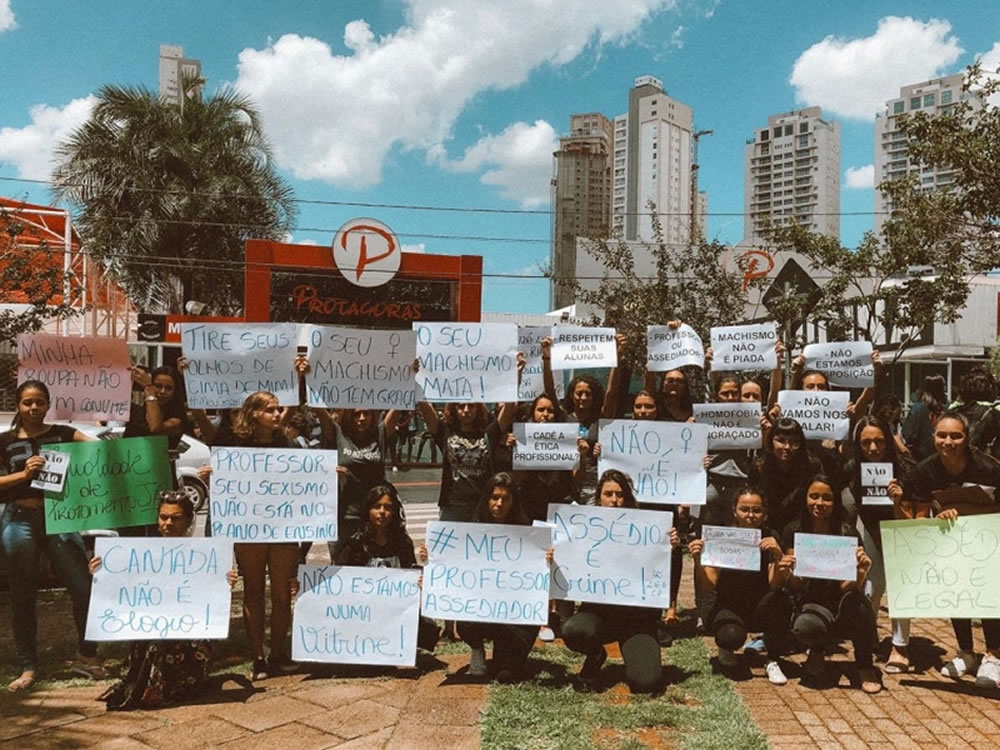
x=698, y=709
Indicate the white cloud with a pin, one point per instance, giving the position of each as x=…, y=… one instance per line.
x=860, y=178
x=991, y=61
x=677, y=37
x=854, y=78
x=31, y=149
x=7, y=20
x=416, y=247
x=518, y=161
x=336, y=117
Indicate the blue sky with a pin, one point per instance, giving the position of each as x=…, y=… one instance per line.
x=458, y=103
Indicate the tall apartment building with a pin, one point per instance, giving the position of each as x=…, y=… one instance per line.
x=173, y=67
x=581, y=195
x=652, y=162
x=891, y=161
x=791, y=173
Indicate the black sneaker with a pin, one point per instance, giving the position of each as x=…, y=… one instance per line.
x=280, y=664
x=259, y=670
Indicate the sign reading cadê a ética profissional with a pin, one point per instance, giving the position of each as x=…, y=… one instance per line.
x=943, y=569
x=159, y=588
x=578, y=347
x=546, y=445
x=351, y=368
x=664, y=459
x=462, y=362
x=274, y=495
x=611, y=555
x=822, y=414
x=346, y=615
x=87, y=376
x=486, y=572
x=110, y=484
x=749, y=347
x=226, y=362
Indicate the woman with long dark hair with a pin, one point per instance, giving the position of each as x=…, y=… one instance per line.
x=783, y=467
x=23, y=538
x=918, y=427
x=163, y=410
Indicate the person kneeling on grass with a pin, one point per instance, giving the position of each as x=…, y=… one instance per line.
x=158, y=673
x=634, y=628
x=748, y=598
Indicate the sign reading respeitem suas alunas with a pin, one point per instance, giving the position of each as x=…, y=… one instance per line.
x=578, y=347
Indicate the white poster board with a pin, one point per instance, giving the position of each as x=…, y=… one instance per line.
x=875, y=478
x=831, y=558
x=664, y=459
x=226, y=362
x=748, y=347
x=669, y=348
x=352, y=368
x=484, y=572
x=274, y=495
x=734, y=425
x=52, y=477
x=546, y=445
x=347, y=615
x=580, y=347
x=467, y=362
x=611, y=555
x=529, y=341
x=160, y=588
x=822, y=414
x=730, y=547
x=847, y=364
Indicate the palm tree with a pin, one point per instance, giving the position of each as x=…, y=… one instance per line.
x=167, y=194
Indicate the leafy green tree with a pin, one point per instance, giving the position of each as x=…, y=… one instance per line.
x=167, y=195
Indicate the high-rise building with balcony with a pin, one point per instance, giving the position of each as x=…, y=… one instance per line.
x=173, y=67
x=791, y=173
x=891, y=159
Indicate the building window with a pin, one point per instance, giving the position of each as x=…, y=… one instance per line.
x=803, y=141
x=789, y=129
x=914, y=102
x=928, y=100
x=946, y=97
x=777, y=132
x=803, y=127
x=897, y=107
x=764, y=134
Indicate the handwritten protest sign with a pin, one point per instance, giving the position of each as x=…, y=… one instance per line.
x=87, y=376
x=347, y=615
x=611, y=555
x=226, y=362
x=847, y=364
x=733, y=426
x=875, y=478
x=832, y=558
x=575, y=347
x=669, y=348
x=350, y=368
x=462, y=362
x=546, y=445
x=731, y=547
x=486, y=573
x=822, y=414
x=749, y=347
x=274, y=495
x=157, y=588
x=940, y=569
x=664, y=459
x=52, y=477
x=529, y=342
x=109, y=484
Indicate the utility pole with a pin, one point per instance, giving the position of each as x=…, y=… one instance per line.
x=694, y=234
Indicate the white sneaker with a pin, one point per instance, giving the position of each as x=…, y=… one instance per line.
x=728, y=658
x=988, y=674
x=546, y=634
x=774, y=674
x=964, y=663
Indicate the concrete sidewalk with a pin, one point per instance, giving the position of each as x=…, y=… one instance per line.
x=401, y=710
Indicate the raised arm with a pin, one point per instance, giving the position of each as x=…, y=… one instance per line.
x=548, y=380
x=777, y=375
x=610, y=408
x=508, y=410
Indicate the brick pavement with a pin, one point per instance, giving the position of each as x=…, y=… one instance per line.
x=395, y=710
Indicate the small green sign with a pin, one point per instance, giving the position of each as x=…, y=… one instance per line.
x=110, y=484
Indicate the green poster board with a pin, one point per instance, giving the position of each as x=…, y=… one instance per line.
x=940, y=569
x=110, y=484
